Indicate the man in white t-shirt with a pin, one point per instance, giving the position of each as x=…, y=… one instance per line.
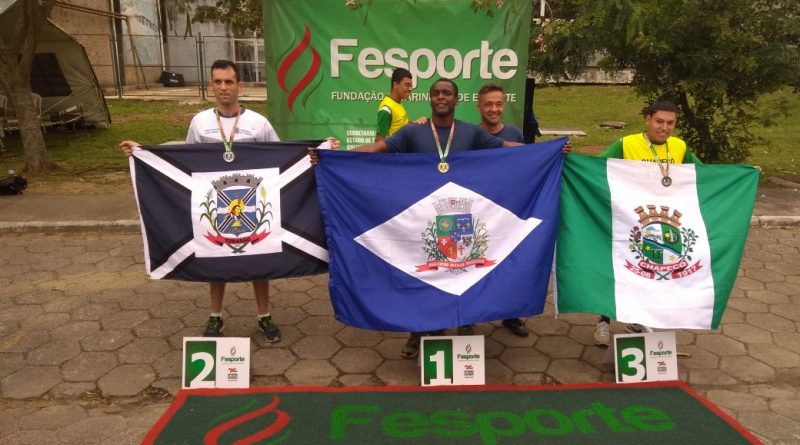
x=217, y=125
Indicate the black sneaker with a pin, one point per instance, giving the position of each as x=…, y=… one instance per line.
x=411, y=349
x=271, y=332
x=467, y=329
x=214, y=327
x=516, y=326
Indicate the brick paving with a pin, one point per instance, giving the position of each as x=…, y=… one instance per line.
x=90, y=348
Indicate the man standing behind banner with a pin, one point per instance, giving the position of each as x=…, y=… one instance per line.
x=391, y=113
x=491, y=104
x=655, y=144
x=445, y=133
x=227, y=121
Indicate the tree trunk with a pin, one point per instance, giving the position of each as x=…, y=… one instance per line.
x=17, y=52
x=30, y=130
x=702, y=128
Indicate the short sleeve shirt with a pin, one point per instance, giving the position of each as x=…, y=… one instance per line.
x=252, y=127
x=416, y=138
x=510, y=133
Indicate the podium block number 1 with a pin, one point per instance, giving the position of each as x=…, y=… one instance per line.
x=438, y=362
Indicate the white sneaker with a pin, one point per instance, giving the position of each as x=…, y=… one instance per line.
x=601, y=335
x=636, y=328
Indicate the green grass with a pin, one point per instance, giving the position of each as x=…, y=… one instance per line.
x=585, y=107
x=92, y=153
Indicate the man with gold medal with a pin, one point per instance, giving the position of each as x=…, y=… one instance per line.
x=444, y=133
x=657, y=145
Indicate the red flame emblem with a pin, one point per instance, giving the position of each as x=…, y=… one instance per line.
x=290, y=60
x=282, y=420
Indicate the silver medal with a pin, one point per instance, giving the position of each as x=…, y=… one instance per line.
x=229, y=156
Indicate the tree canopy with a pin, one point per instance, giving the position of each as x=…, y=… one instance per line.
x=242, y=16
x=713, y=59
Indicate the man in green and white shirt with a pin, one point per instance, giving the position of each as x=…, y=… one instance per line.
x=391, y=113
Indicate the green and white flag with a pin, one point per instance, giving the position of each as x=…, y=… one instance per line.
x=639, y=252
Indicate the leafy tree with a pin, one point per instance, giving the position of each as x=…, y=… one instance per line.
x=175, y=8
x=242, y=16
x=17, y=52
x=713, y=59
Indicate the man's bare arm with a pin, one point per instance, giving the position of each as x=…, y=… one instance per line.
x=375, y=147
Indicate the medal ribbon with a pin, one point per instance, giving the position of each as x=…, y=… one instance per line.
x=664, y=170
x=443, y=155
x=228, y=143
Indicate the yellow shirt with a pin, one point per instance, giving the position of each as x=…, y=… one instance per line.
x=391, y=116
x=636, y=147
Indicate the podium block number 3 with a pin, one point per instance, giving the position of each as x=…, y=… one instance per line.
x=631, y=360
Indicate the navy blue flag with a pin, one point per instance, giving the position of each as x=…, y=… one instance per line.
x=204, y=219
x=413, y=249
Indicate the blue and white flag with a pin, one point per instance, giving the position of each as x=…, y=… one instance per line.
x=413, y=249
x=204, y=219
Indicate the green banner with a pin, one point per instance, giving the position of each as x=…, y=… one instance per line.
x=329, y=62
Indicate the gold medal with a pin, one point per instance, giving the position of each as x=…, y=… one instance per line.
x=443, y=167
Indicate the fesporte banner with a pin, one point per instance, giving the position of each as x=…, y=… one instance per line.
x=329, y=62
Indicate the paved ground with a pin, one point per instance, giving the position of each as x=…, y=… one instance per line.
x=90, y=349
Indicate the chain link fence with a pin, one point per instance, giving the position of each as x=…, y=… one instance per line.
x=152, y=65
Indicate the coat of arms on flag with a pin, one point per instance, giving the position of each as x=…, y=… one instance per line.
x=208, y=220
x=238, y=212
x=454, y=241
x=662, y=247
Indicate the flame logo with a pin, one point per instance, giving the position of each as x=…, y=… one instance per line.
x=212, y=437
x=469, y=348
x=660, y=345
x=290, y=61
x=233, y=350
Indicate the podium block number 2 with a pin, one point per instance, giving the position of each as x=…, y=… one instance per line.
x=200, y=364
